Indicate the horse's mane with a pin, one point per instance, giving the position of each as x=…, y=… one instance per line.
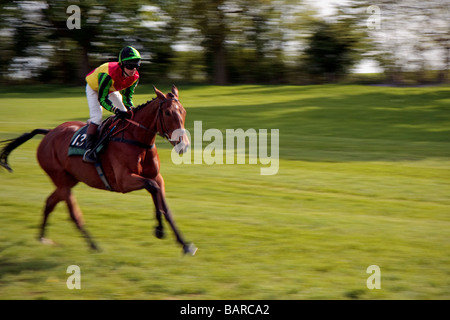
x=139, y=107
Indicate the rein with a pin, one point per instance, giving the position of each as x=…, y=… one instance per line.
x=164, y=134
x=137, y=124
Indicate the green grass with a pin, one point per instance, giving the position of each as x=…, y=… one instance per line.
x=364, y=179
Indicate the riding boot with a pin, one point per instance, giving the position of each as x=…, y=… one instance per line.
x=91, y=138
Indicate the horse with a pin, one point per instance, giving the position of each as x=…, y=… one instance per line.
x=130, y=161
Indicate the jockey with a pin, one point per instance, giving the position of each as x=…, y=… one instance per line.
x=110, y=86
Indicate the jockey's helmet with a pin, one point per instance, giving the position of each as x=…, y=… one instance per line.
x=129, y=54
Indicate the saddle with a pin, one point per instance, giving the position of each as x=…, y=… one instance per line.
x=78, y=144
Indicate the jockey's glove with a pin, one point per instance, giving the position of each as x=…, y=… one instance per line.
x=122, y=114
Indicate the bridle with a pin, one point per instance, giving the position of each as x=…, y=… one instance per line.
x=162, y=124
x=159, y=115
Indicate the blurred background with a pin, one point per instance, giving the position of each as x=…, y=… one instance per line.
x=229, y=41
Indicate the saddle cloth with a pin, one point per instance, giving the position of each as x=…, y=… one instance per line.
x=77, y=146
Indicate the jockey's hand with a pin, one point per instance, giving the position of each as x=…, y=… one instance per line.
x=123, y=114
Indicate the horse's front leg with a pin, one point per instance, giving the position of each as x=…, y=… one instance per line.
x=136, y=182
x=132, y=182
x=187, y=248
x=159, y=229
x=161, y=207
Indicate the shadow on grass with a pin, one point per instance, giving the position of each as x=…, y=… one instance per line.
x=9, y=267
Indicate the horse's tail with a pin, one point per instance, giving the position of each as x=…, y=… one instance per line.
x=11, y=144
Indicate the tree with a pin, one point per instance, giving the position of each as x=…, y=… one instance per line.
x=413, y=36
x=332, y=50
x=37, y=31
x=242, y=40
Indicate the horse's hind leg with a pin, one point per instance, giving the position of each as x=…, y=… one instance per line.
x=50, y=205
x=159, y=230
x=64, y=183
x=77, y=217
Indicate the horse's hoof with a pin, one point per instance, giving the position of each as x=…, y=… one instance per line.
x=47, y=241
x=190, y=249
x=159, y=232
x=95, y=248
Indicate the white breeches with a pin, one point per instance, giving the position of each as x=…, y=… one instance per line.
x=96, y=110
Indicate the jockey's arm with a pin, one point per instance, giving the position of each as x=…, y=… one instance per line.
x=127, y=95
x=104, y=83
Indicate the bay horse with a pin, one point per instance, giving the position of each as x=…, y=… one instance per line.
x=129, y=163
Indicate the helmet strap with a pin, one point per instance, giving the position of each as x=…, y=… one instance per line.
x=123, y=69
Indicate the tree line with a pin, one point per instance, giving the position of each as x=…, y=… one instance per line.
x=224, y=41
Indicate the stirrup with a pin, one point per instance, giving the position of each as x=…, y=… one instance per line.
x=90, y=156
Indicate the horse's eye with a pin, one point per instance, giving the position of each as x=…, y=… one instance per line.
x=167, y=113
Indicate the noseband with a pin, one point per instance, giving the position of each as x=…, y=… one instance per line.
x=164, y=133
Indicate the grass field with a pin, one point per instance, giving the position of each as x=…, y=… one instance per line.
x=364, y=179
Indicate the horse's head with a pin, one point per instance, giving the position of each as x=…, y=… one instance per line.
x=171, y=117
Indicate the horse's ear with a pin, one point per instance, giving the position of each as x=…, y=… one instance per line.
x=159, y=94
x=175, y=90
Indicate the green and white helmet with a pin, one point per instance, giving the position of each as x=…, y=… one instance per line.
x=129, y=53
